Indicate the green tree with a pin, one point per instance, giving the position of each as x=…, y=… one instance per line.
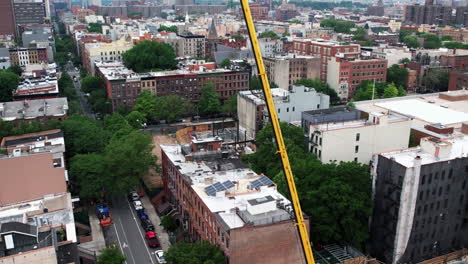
x=131, y=154
x=8, y=84
x=66, y=87
x=338, y=26
x=237, y=37
x=405, y=61
x=136, y=119
x=411, y=41
x=16, y=69
x=115, y=123
x=83, y=136
x=169, y=223
x=146, y=104
x=91, y=83
x=99, y=102
x=111, y=255
x=94, y=27
x=436, y=80
x=268, y=34
x=150, y=55
x=230, y=105
x=194, y=253
x=225, y=63
x=446, y=38
x=432, y=42
x=168, y=29
x=254, y=83
x=390, y=91
x=320, y=87
x=397, y=75
x=455, y=45
x=89, y=171
x=209, y=100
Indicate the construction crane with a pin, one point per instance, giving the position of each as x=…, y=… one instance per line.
x=302, y=228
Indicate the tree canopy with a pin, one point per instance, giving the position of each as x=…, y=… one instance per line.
x=84, y=135
x=337, y=196
x=411, y=41
x=98, y=95
x=194, y=253
x=338, y=26
x=269, y=34
x=225, y=63
x=367, y=91
x=209, y=100
x=320, y=87
x=111, y=255
x=397, y=75
x=230, y=105
x=150, y=55
x=168, y=28
x=168, y=107
x=94, y=27
x=436, y=80
x=8, y=83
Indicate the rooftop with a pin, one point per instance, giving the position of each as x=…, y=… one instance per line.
x=42, y=87
x=236, y=195
x=32, y=109
x=447, y=149
x=30, y=177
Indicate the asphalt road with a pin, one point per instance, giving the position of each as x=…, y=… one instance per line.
x=81, y=96
x=129, y=233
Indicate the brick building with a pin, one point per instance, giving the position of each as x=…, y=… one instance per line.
x=225, y=203
x=326, y=50
x=286, y=12
x=455, y=62
x=259, y=12
x=458, y=81
x=25, y=56
x=285, y=71
x=29, y=12
x=344, y=75
x=7, y=23
x=461, y=17
x=428, y=14
x=123, y=86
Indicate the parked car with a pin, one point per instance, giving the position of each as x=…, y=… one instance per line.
x=151, y=239
x=160, y=256
x=138, y=205
x=142, y=215
x=147, y=225
x=133, y=196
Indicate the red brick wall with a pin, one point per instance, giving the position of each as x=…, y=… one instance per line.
x=269, y=244
x=458, y=81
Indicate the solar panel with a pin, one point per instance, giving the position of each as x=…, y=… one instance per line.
x=218, y=186
x=262, y=181
x=210, y=190
x=228, y=185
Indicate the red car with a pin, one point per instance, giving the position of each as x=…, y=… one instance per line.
x=151, y=239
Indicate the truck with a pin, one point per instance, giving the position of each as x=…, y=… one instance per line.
x=104, y=215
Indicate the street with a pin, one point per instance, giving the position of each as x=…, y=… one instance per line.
x=81, y=96
x=128, y=233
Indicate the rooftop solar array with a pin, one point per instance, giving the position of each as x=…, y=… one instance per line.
x=262, y=181
x=218, y=187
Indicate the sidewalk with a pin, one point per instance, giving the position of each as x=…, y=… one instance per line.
x=162, y=234
x=98, y=242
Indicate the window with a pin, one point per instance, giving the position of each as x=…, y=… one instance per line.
x=294, y=108
x=287, y=109
x=279, y=110
x=358, y=135
x=356, y=149
x=355, y=159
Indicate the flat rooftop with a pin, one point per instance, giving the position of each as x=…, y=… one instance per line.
x=238, y=197
x=423, y=108
x=459, y=149
x=31, y=109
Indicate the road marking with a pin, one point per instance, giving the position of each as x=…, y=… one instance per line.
x=139, y=229
x=118, y=239
x=124, y=245
x=123, y=231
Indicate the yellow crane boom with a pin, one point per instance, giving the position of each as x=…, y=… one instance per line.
x=302, y=228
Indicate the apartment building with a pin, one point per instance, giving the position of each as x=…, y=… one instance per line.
x=7, y=23
x=259, y=12
x=37, y=89
x=39, y=109
x=225, y=203
x=26, y=56
x=344, y=75
x=420, y=201
x=30, y=12
x=286, y=70
x=428, y=14
x=188, y=45
x=270, y=47
x=253, y=115
x=393, y=55
x=123, y=85
x=103, y=52
x=344, y=134
x=326, y=50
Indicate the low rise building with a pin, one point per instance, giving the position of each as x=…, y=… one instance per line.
x=270, y=47
x=286, y=70
x=344, y=134
x=25, y=56
x=458, y=81
x=188, y=45
x=420, y=201
x=40, y=109
x=253, y=115
x=36, y=89
x=104, y=52
x=344, y=75
x=223, y=202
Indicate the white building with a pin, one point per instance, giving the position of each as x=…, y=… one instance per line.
x=253, y=114
x=357, y=139
x=270, y=47
x=392, y=55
